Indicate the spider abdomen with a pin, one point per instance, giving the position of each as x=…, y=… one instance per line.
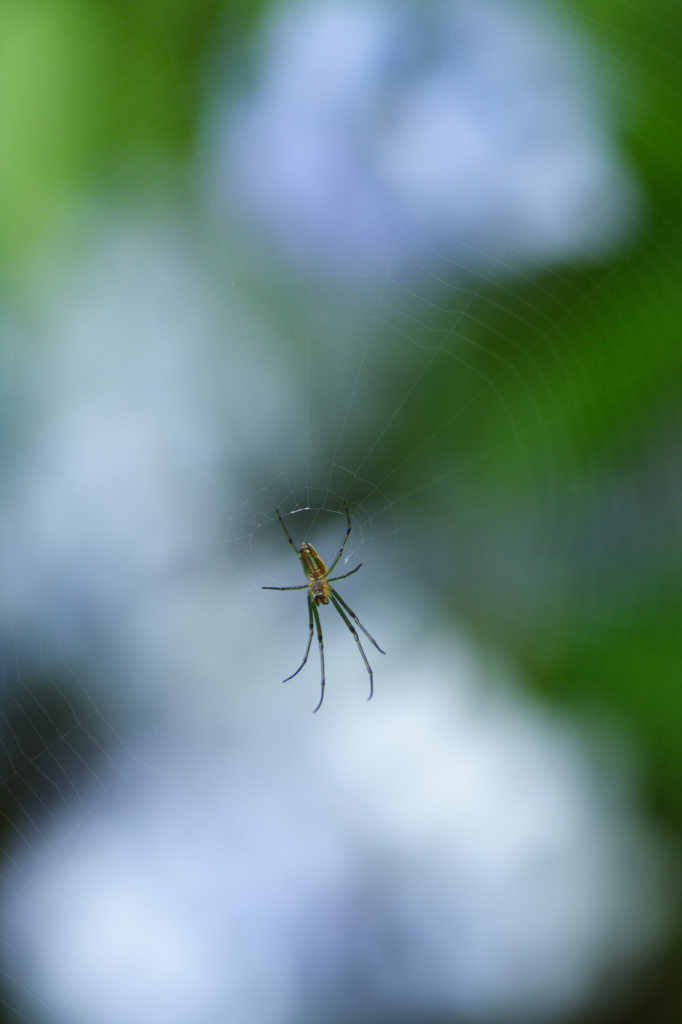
x=316, y=572
x=313, y=566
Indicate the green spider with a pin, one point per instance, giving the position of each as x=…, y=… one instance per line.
x=320, y=591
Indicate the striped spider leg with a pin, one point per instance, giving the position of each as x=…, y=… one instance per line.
x=320, y=591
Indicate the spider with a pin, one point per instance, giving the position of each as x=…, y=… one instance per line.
x=320, y=591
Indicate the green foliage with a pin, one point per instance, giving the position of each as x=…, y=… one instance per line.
x=535, y=400
x=531, y=397
x=93, y=90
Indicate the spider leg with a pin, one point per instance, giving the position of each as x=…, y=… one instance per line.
x=304, y=587
x=335, y=578
x=286, y=532
x=310, y=638
x=313, y=608
x=356, y=619
x=343, y=542
x=345, y=618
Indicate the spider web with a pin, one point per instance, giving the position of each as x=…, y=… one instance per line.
x=499, y=418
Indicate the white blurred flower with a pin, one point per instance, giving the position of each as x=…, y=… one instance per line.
x=447, y=849
x=405, y=135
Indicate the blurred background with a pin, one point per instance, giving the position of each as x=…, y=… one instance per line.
x=424, y=259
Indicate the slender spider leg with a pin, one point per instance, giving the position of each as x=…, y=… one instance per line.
x=345, y=618
x=313, y=608
x=319, y=590
x=286, y=532
x=343, y=542
x=335, y=578
x=310, y=638
x=355, y=619
x=304, y=587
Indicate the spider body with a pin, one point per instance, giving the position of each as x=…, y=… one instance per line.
x=316, y=571
x=320, y=591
